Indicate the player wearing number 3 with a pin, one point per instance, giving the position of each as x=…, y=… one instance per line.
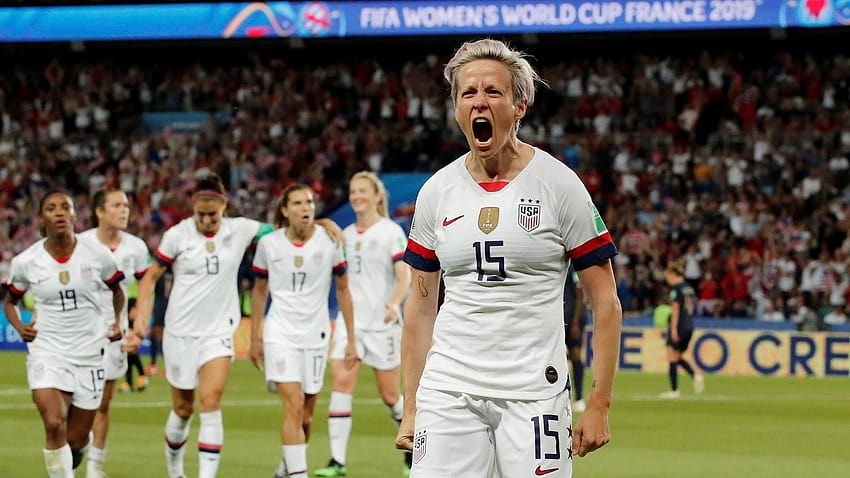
x=67, y=343
x=502, y=223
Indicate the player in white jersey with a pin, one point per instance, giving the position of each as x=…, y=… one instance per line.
x=294, y=266
x=110, y=218
x=502, y=222
x=379, y=285
x=204, y=253
x=67, y=342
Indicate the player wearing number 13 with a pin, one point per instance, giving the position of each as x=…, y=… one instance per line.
x=204, y=252
x=66, y=344
x=502, y=223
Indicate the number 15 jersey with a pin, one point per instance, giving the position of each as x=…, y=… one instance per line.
x=504, y=253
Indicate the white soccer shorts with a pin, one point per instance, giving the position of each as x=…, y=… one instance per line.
x=184, y=356
x=457, y=434
x=84, y=382
x=116, y=361
x=380, y=349
x=287, y=364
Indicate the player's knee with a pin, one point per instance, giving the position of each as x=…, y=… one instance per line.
x=390, y=397
x=54, y=425
x=184, y=410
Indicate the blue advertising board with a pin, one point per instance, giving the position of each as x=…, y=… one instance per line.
x=397, y=18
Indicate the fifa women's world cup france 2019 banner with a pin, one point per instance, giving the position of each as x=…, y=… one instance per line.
x=404, y=17
x=741, y=352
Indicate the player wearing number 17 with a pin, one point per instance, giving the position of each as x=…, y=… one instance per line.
x=295, y=265
x=503, y=223
x=66, y=344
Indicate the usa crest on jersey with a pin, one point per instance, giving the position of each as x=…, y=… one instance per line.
x=528, y=216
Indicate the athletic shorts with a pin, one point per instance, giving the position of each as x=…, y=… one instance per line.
x=684, y=340
x=287, y=364
x=116, y=361
x=380, y=349
x=184, y=356
x=461, y=435
x=83, y=382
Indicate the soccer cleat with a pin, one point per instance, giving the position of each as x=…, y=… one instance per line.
x=151, y=369
x=95, y=473
x=334, y=468
x=125, y=387
x=669, y=394
x=280, y=472
x=579, y=406
x=699, y=383
x=408, y=462
x=141, y=383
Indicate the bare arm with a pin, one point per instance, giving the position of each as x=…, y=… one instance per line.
x=420, y=312
x=118, y=300
x=346, y=306
x=591, y=431
x=258, y=313
x=402, y=286
x=13, y=315
x=144, y=302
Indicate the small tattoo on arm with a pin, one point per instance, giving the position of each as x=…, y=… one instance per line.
x=422, y=290
x=593, y=384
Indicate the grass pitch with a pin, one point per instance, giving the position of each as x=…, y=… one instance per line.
x=741, y=427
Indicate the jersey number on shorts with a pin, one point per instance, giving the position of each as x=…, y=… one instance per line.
x=538, y=453
x=212, y=265
x=489, y=259
x=97, y=377
x=69, y=299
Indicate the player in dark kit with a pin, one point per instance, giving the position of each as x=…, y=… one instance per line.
x=575, y=320
x=680, y=328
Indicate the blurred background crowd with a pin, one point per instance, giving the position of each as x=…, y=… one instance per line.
x=740, y=162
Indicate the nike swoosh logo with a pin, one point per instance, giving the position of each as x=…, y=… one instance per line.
x=540, y=472
x=447, y=221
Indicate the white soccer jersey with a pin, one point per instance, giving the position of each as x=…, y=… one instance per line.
x=372, y=255
x=299, y=278
x=204, y=298
x=504, y=255
x=133, y=259
x=67, y=297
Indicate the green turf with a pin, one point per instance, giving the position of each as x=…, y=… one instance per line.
x=741, y=427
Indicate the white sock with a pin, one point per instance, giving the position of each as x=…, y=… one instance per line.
x=96, y=458
x=281, y=467
x=296, y=460
x=397, y=410
x=58, y=462
x=176, y=434
x=339, y=424
x=210, y=439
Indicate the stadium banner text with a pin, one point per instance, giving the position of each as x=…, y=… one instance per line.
x=740, y=352
x=360, y=19
x=642, y=349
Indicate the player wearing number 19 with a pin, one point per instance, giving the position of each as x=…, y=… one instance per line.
x=204, y=252
x=503, y=223
x=294, y=265
x=66, y=344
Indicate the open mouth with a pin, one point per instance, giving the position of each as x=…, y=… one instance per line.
x=482, y=130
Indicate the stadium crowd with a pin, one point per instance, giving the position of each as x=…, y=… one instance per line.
x=740, y=163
